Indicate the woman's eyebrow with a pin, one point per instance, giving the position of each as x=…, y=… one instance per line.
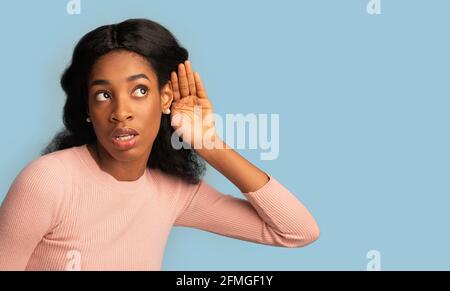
x=138, y=76
x=129, y=79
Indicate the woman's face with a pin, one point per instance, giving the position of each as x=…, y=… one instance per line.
x=123, y=92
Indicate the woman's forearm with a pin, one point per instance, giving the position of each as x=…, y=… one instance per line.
x=243, y=174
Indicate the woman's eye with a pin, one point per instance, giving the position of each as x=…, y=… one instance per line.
x=140, y=92
x=102, y=95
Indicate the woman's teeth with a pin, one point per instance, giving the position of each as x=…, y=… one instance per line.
x=125, y=137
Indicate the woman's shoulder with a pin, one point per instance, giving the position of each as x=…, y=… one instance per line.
x=64, y=156
x=44, y=168
x=173, y=189
x=49, y=170
x=169, y=183
x=41, y=186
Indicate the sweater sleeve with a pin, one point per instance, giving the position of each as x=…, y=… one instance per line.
x=29, y=211
x=271, y=215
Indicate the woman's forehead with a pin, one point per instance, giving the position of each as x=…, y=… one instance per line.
x=121, y=65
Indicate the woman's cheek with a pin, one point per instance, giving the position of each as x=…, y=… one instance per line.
x=153, y=123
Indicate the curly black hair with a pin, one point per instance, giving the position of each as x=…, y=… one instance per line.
x=155, y=43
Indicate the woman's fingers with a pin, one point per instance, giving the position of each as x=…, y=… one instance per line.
x=175, y=86
x=190, y=78
x=201, y=93
x=183, y=81
x=186, y=82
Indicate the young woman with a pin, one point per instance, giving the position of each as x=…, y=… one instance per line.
x=107, y=190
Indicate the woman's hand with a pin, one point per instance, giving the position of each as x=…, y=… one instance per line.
x=189, y=107
x=191, y=111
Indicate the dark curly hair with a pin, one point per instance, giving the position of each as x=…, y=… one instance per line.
x=155, y=43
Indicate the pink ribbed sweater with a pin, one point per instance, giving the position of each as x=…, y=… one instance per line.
x=62, y=212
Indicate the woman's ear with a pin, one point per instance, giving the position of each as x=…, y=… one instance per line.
x=166, y=96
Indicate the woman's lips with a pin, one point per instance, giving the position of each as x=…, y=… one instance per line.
x=123, y=131
x=125, y=142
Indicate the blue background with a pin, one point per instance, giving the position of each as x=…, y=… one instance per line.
x=363, y=103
